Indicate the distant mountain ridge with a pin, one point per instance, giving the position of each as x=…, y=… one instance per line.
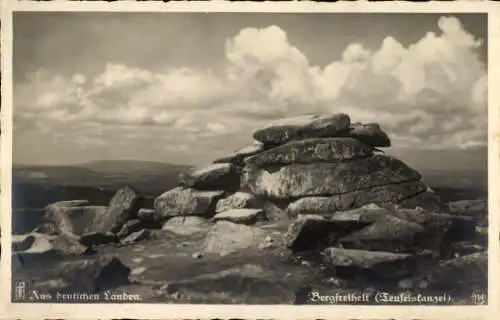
x=124, y=166
x=107, y=166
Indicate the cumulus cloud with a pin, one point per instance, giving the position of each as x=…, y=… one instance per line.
x=432, y=93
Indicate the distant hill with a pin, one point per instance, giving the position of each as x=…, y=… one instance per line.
x=131, y=166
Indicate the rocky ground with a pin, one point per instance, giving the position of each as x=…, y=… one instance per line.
x=312, y=206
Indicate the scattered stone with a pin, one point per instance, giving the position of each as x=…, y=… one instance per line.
x=186, y=202
x=137, y=271
x=423, y=284
x=267, y=244
x=405, y=284
x=186, y=225
x=310, y=232
x=47, y=227
x=245, y=216
x=136, y=237
x=274, y=213
x=243, y=280
x=426, y=200
x=68, y=203
x=471, y=270
x=370, y=134
x=337, y=283
x=197, y=255
x=303, y=127
x=69, y=245
x=387, y=233
x=42, y=244
x=22, y=243
x=146, y=214
x=477, y=209
x=384, y=264
x=301, y=180
x=96, y=238
x=312, y=151
x=95, y=274
x=351, y=200
x=238, y=156
x=219, y=176
x=135, y=225
x=238, y=200
x=474, y=208
x=226, y=237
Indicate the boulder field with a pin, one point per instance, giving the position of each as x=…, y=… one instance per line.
x=311, y=203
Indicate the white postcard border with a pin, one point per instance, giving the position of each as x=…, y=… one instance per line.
x=162, y=311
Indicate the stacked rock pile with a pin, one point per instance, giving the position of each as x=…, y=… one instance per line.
x=307, y=165
x=356, y=205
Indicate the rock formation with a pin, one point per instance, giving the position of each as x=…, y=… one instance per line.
x=340, y=200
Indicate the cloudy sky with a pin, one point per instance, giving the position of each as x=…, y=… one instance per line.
x=188, y=88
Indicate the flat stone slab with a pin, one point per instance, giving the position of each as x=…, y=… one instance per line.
x=239, y=156
x=323, y=179
x=312, y=151
x=302, y=127
x=340, y=257
x=146, y=214
x=187, y=225
x=379, y=264
x=244, y=216
x=226, y=238
x=392, y=193
x=219, y=176
x=186, y=202
x=370, y=134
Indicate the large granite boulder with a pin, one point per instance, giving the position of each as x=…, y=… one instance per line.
x=312, y=151
x=38, y=244
x=303, y=127
x=75, y=217
x=370, y=134
x=312, y=232
x=391, y=193
x=186, y=202
x=300, y=180
x=220, y=176
x=122, y=207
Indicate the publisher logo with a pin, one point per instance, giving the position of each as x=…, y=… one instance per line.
x=20, y=290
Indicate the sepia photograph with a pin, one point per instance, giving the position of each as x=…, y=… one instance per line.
x=258, y=158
